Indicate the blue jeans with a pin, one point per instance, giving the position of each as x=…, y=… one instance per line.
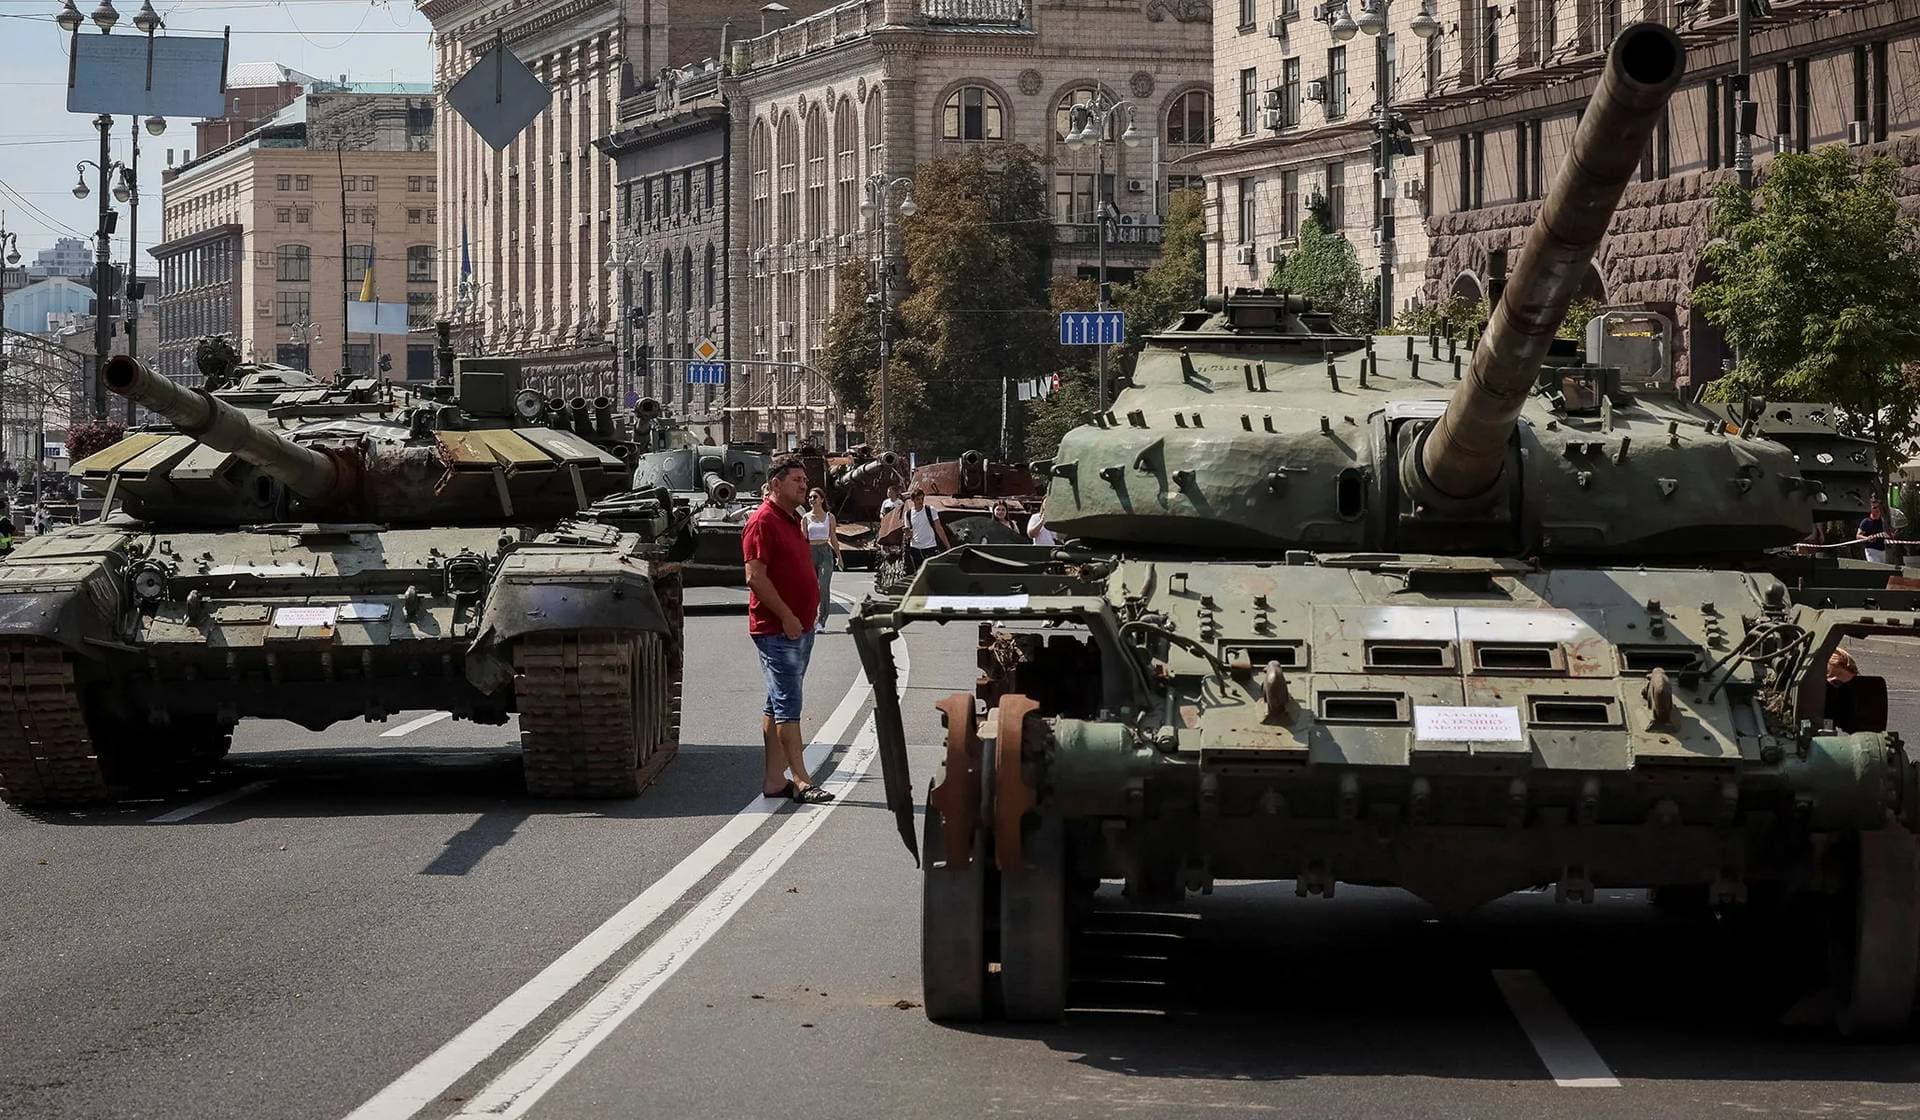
x=783, y=661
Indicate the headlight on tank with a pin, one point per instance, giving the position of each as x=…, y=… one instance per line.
x=466, y=574
x=149, y=579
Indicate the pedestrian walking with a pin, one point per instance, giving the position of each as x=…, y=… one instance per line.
x=1037, y=530
x=925, y=535
x=783, y=596
x=1873, y=532
x=823, y=537
x=893, y=501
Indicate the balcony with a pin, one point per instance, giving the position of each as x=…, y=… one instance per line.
x=1011, y=12
x=1118, y=237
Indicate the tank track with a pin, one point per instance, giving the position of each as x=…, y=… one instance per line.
x=600, y=709
x=47, y=756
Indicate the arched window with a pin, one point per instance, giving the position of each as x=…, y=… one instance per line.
x=1078, y=192
x=292, y=262
x=760, y=167
x=846, y=167
x=971, y=113
x=666, y=281
x=787, y=176
x=1190, y=118
x=707, y=279
x=876, y=139
x=816, y=171
x=419, y=264
x=686, y=277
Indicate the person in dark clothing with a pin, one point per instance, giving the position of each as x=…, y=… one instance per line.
x=1873, y=532
x=1841, y=707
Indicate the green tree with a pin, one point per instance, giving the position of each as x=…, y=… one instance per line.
x=1816, y=282
x=1324, y=269
x=978, y=253
x=1175, y=284
x=1465, y=315
x=850, y=354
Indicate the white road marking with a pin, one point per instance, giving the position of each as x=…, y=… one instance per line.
x=1570, y=1059
x=512, y=1093
x=186, y=812
x=425, y=1082
x=414, y=725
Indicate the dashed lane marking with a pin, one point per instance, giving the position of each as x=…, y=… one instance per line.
x=414, y=725
x=187, y=812
x=1570, y=1059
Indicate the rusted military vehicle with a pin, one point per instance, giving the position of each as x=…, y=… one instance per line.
x=1384, y=611
x=856, y=484
x=961, y=493
x=318, y=553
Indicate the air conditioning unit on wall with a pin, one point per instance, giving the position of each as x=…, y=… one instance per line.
x=1277, y=29
x=1243, y=254
x=1317, y=89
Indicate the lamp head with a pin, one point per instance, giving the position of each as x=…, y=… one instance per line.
x=1371, y=21
x=866, y=206
x=1343, y=26
x=80, y=188
x=121, y=193
x=13, y=255
x=148, y=21
x=1423, y=24
x=1132, y=137
x=69, y=18
x=156, y=125
x=908, y=207
x=105, y=16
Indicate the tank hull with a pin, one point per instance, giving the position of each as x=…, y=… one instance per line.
x=139, y=633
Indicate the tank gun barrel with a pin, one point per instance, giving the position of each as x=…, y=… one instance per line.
x=311, y=474
x=1463, y=453
x=719, y=490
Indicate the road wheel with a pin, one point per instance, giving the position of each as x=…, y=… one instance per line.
x=953, y=926
x=1881, y=949
x=1033, y=925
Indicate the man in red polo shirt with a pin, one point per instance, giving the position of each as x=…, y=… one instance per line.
x=783, y=597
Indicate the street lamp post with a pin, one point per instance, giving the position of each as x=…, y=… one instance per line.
x=11, y=246
x=879, y=193
x=102, y=253
x=1089, y=123
x=1390, y=129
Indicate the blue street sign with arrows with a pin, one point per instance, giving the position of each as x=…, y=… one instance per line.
x=1093, y=328
x=706, y=373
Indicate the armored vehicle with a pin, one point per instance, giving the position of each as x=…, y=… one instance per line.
x=315, y=553
x=1383, y=611
x=961, y=493
x=719, y=483
x=856, y=483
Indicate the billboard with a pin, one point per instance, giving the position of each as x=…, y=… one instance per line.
x=147, y=75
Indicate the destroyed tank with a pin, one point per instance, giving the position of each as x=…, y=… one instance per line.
x=1382, y=611
x=318, y=553
x=961, y=493
x=718, y=483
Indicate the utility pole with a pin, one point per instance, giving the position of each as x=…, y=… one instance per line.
x=130, y=177
x=10, y=249
x=1102, y=207
x=102, y=277
x=1742, y=140
x=878, y=193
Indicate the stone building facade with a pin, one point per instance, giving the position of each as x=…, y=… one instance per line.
x=252, y=236
x=527, y=231
x=1492, y=100
x=878, y=87
x=1296, y=112
x=1822, y=73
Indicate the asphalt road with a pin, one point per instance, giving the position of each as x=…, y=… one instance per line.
x=371, y=922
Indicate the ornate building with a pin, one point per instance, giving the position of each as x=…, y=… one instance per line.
x=525, y=232
x=1492, y=95
x=868, y=90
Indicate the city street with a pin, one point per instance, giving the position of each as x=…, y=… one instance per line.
x=373, y=923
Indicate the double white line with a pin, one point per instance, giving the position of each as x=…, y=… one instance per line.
x=523, y=1084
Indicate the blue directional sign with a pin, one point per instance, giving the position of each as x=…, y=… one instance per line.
x=1093, y=328
x=706, y=373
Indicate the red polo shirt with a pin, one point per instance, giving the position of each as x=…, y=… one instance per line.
x=774, y=537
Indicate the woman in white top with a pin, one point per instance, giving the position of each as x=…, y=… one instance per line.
x=825, y=542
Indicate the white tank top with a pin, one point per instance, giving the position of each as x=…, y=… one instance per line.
x=817, y=531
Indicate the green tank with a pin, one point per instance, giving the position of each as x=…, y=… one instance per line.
x=288, y=549
x=718, y=483
x=1388, y=611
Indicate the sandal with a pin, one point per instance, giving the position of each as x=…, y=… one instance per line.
x=812, y=795
x=787, y=791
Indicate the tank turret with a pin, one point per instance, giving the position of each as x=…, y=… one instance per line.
x=1462, y=456
x=314, y=475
